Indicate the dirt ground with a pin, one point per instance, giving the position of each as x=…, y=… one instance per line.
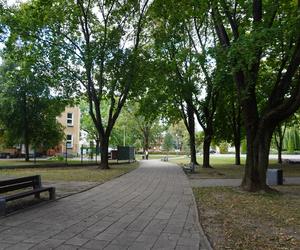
x=234, y=219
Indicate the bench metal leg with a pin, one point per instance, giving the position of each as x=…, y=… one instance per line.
x=52, y=195
x=2, y=206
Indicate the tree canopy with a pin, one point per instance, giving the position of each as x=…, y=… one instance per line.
x=231, y=66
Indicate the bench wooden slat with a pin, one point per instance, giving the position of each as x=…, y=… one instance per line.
x=15, y=187
x=19, y=184
x=18, y=180
x=27, y=193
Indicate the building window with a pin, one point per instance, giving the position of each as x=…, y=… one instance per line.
x=69, y=141
x=70, y=119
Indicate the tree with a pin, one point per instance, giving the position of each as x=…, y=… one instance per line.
x=147, y=127
x=267, y=37
x=168, y=142
x=96, y=45
x=86, y=122
x=228, y=120
x=28, y=110
x=291, y=139
x=179, y=133
x=196, y=73
x=279, y=134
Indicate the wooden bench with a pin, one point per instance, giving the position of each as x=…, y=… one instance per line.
x=190, y=168
x=21, y=183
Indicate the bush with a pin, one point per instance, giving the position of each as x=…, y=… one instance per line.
x=244, y=147
x=223, y=146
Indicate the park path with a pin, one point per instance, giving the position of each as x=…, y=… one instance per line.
x=152, y=207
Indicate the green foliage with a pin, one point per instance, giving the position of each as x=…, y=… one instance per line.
x=291, y=140
x=28, y=108
x=244, y=146
x=199, y=139
x=132, y=126
x=223, y=146
x=93, y=50
x=168, y=143
x=86, y=122
x=180, y=135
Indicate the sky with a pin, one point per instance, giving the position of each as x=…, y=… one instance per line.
x=11, y=2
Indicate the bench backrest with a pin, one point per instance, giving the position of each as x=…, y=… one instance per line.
x=20, y=183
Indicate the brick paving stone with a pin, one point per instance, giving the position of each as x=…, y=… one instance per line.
x=4, y=245
x=126, y=238
x=48, y=244
x=114, y=247
x=23, y=246
x=66, y=247
x=106, y=236
x=77, y=241
x=139, y=246
x=167, y=241
x=150, y=208
x=96, y=244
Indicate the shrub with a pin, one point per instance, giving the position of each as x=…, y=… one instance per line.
x=223, y=146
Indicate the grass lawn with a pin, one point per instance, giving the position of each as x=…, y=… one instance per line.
x=90, y=174
x=234, y=219
x=213, y=160
x=223, y=167
x=22, y=162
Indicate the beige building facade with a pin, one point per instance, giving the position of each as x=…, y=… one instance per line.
x=70, y=119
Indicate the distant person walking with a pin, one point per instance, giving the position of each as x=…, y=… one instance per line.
x=147, y=154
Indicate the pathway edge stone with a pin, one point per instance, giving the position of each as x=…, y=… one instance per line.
x=204, y=236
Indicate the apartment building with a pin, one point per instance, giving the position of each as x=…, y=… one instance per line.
x=70, y=119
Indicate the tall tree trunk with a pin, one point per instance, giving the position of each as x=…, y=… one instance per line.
x=191, y=129
x=279, y=149
x=26, y=129
x=206, y=149
x=237, y=141
x=258, y=148
x=104, y=153
x=26, y=139
x=279, y=136
x=236, y=123
x=193, y=147
x=237, y=146
x=146, y=139
x=26, y=144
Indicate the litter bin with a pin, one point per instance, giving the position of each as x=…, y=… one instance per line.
x=143, y=157
x=274, y=177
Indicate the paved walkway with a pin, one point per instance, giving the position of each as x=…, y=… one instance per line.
x=149, y=208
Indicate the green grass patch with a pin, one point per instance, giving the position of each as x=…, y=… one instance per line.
x=92, y=174
x=234, y=219
x=223, y=167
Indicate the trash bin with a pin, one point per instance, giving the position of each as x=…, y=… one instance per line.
x=143, y=157
x=274, y=177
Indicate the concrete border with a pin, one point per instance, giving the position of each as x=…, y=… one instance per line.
x=205, y=238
